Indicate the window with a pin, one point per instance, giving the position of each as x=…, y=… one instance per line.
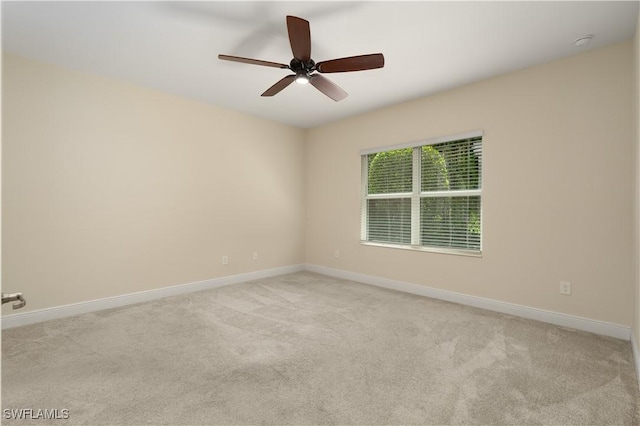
x=424, y=195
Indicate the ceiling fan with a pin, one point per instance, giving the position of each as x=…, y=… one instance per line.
x=305, y=69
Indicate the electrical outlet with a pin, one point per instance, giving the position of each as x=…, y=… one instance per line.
x=565, y=288
x=336, y=254
x=255, y=255
x=225, y=260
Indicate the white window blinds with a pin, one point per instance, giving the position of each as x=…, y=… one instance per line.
x=425, y=196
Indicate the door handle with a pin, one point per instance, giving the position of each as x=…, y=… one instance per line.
x=10, y=297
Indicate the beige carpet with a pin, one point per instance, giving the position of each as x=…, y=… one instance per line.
x=308, y=349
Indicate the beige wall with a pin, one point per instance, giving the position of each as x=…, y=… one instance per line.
x=110, y=189
x=636, y=252
x=557, y=185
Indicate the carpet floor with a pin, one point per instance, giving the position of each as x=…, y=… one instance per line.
x=305, y=349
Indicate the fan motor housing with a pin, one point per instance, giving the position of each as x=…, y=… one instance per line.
x=297, y=65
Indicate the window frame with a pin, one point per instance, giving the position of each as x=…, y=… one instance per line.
x=416, y=195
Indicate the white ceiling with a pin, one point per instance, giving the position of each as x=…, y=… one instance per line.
x=428, y=46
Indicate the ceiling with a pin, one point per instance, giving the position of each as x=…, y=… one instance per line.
x=428, y=46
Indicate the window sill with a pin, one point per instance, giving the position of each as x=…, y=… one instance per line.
x=456, y=252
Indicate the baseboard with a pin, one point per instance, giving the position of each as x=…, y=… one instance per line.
x=557, y=318
x=636, y=357
x=31, y=317
x=565, y=320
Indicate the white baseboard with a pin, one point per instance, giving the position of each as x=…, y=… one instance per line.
x=31, y=317
x=636, y=357
x=557, y=318
x=579, y=323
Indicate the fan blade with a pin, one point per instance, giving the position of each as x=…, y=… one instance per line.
x=300, y=38
x=279, y=85
x=327, y=87
x=352, y=63
x=252, y=61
